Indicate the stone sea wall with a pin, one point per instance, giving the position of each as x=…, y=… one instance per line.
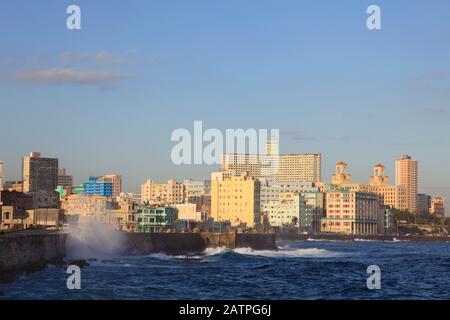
x=29, y=251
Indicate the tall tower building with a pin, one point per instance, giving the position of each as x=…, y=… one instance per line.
x=40, y=178
x=406, y=174
x=1, y=175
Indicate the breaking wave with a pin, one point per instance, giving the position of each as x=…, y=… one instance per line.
x=289, y=253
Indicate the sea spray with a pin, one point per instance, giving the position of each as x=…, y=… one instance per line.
x=94, y=240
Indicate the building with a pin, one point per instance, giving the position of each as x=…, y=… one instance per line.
x=1, y=175
x=388, y=195
x=40, y=178
x=286, y=211
x=85, y=209
x=64, y=180
x=171, y=192
x=235, y=199
x=156, y=218
x=273, y=166
x=349, y=212
x=95, y=187
x=115, y=180
x=272, y=190
x=190, y=212
x=19, y=220
x=424, y=201
x=13, y=186
x=437, y=207
x=203, y=203
x=18, y=200
x=407, y=175
x=196, y=187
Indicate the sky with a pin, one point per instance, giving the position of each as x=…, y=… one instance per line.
x=106, y=98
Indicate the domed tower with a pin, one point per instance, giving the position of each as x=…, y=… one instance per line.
x=378, y=177
x=341, y=175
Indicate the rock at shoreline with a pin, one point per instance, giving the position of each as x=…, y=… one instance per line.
x=80, y=263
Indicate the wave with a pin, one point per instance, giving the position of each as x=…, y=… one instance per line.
x=282, y=252
x=365, y=240
x=293, y=253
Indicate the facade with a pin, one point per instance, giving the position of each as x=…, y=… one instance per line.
x=203, y=203
x=85, y=209
x=95, y=187
x=115, y=180
x=407, y=175
x=388, y=195
x=13, y=186
x=286, y=211
x=156, y=218
x=40, y=178
x=235, y=199
x=349, y=212
x=171, y=192
x=274, y=166
x=190, y=212
x=291, y=167
x=424, y=205
x=197, y=187
x=64, y=180
x=1, y=175
x=10, y=218
x=437, y=207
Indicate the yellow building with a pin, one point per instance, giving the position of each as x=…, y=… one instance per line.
x=235, y=199
x=171, y=192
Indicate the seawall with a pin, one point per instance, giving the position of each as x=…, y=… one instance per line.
x=28, y=251
x=183, y=243
x=32, y=250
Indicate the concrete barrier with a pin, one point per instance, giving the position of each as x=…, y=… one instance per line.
x=29, y=251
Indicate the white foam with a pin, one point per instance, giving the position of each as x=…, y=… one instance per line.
x=292, y=253
x=215, y=251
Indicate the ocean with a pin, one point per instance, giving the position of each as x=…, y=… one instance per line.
x=298, y=270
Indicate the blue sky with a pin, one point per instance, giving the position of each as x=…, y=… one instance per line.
x=107, y=97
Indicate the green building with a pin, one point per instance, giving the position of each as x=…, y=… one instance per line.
x=156, y=219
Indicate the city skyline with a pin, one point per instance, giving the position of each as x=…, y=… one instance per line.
x=327, y=83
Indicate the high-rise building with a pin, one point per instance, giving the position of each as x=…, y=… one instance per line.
x=407, y=174
x=235, y=199
x=283, y=167
x=171, y=192
x=40, y=177
x=64, y=180
x=1, y=175
x=115, y=180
